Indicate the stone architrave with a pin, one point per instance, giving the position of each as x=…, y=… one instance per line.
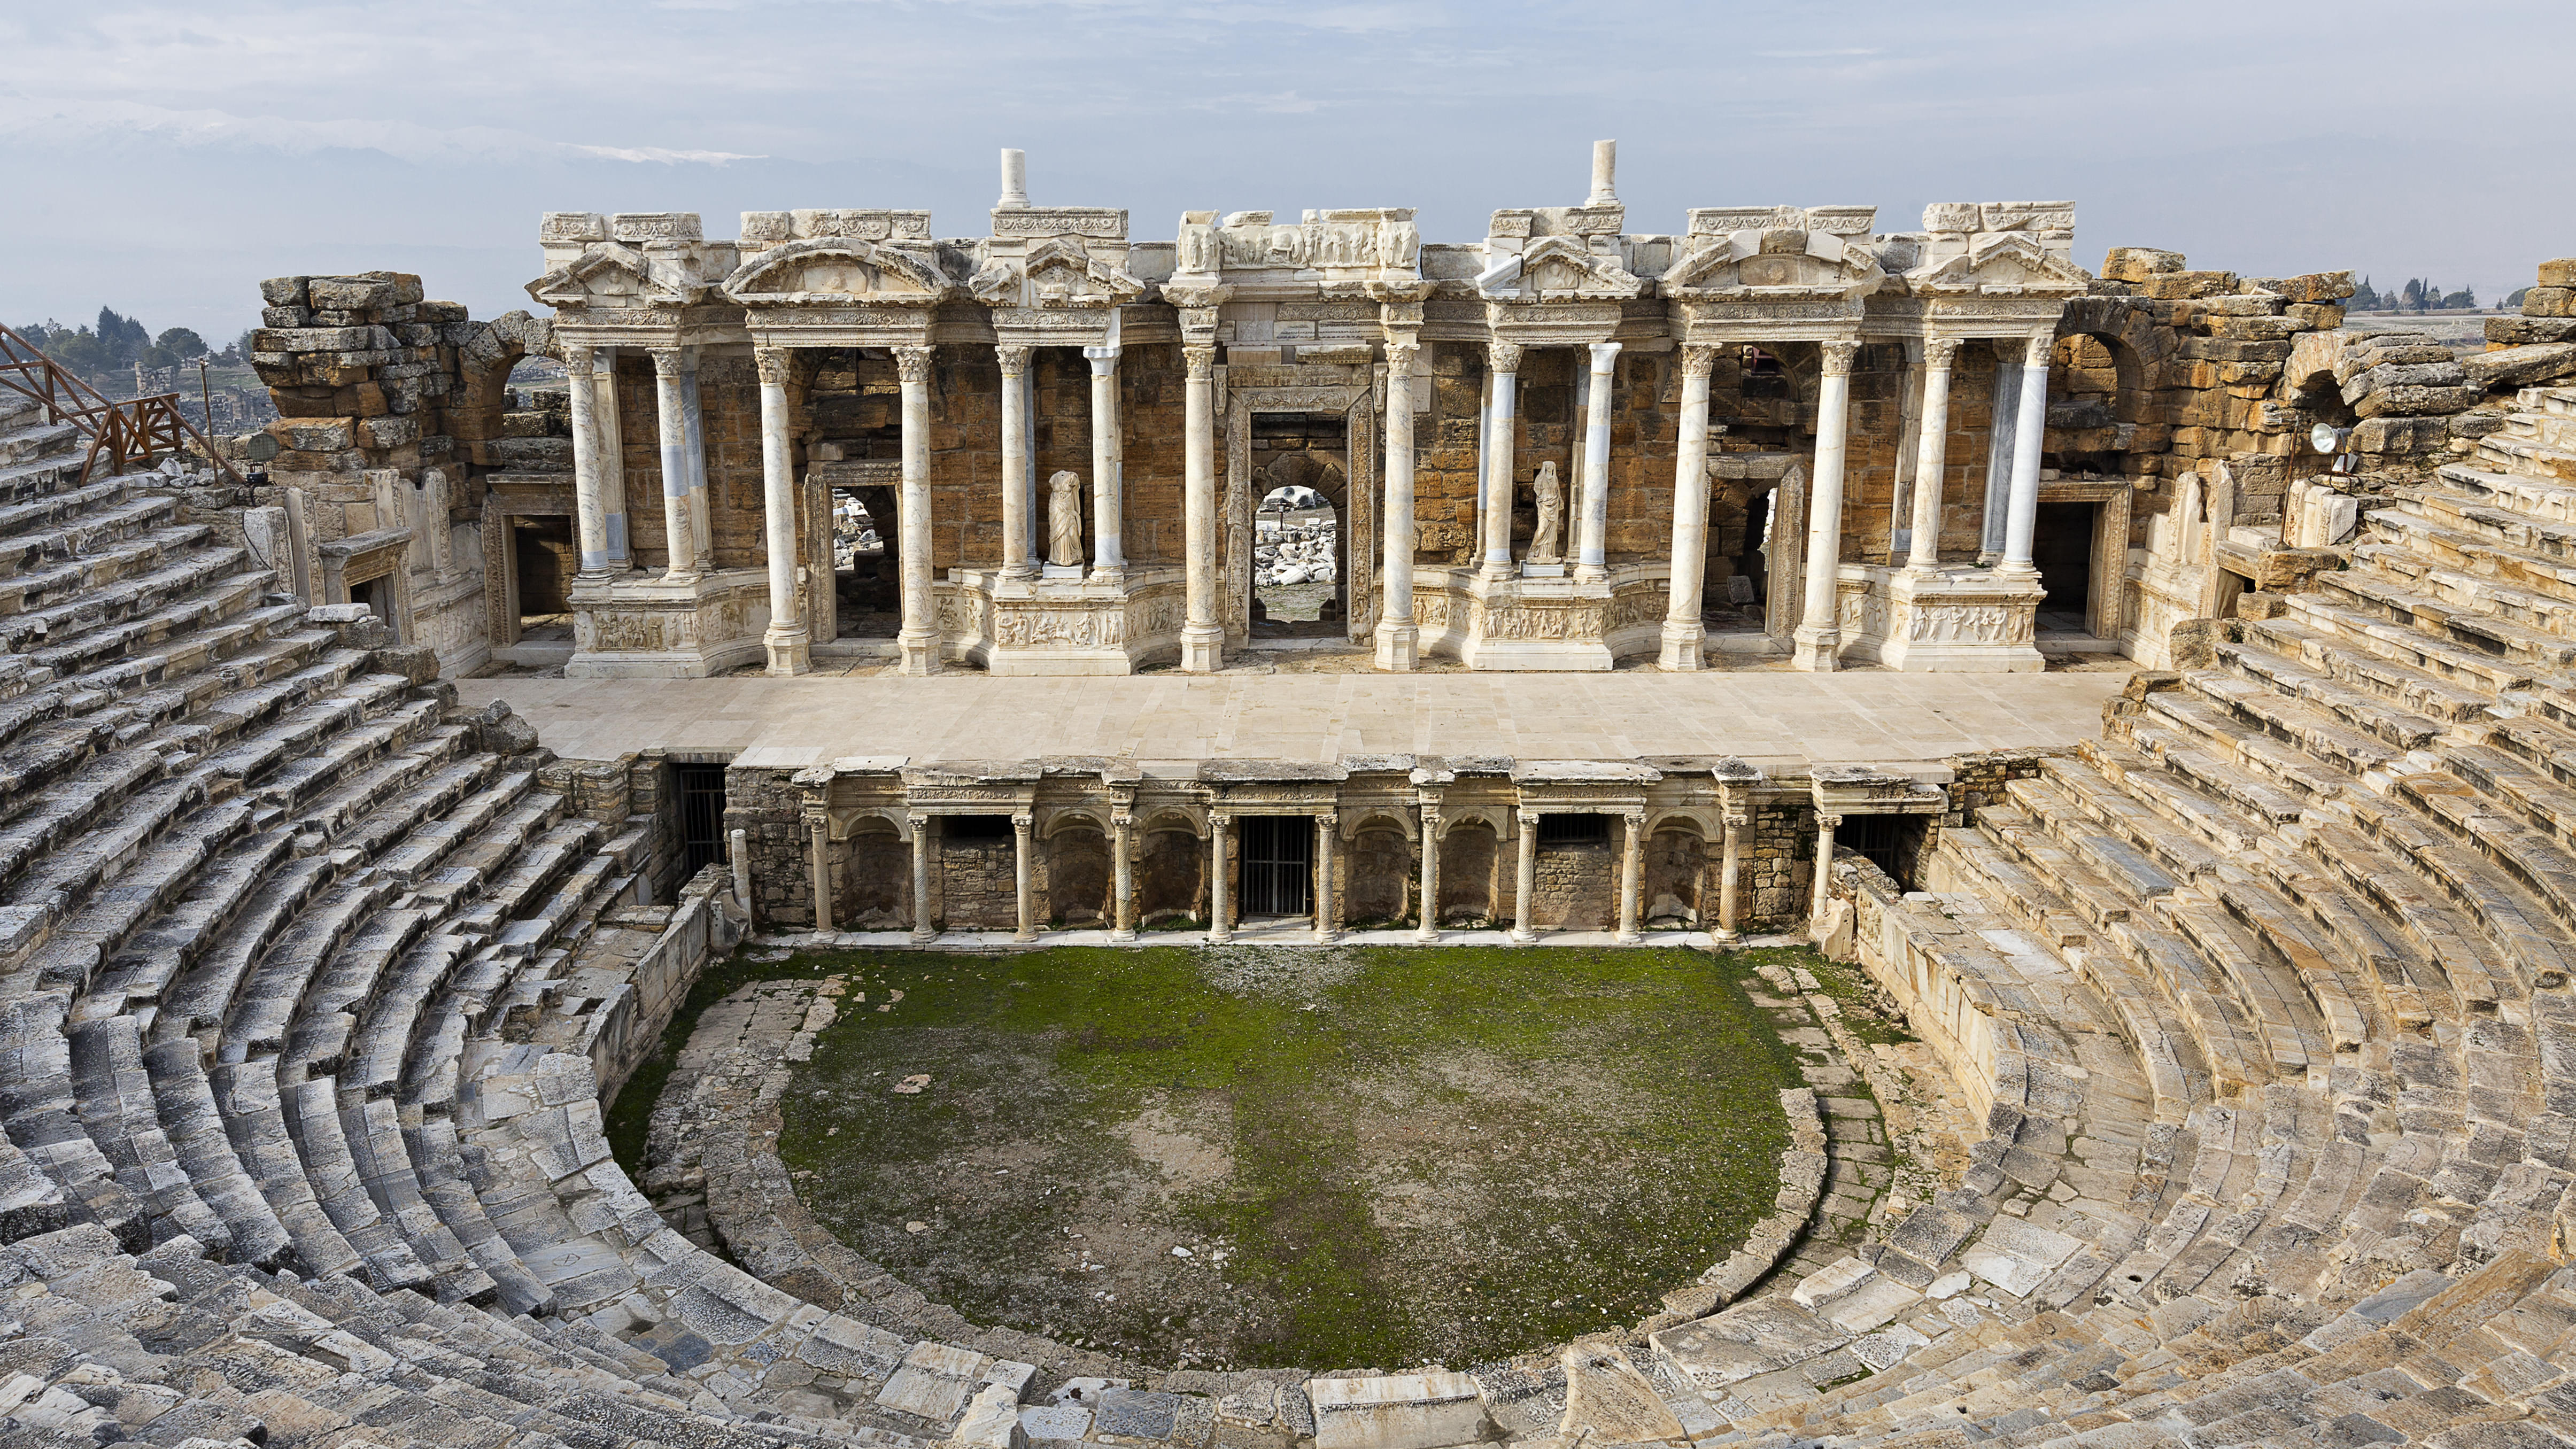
x=1064, y=519
x=1547, y=540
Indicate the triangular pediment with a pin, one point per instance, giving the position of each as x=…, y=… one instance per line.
x=837, y=269
x=2001, y=262
x=610, y=274
x=1563, y=269
x=1775, y=264
x=1056, y=272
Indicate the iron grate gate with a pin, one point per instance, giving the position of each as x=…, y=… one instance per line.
x=1278, y=865
x=702, y=807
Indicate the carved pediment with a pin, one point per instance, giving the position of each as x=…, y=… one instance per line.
x=2006, y=263
x=1775, y=264
x=614, y=275
x=1560, y=269
x=838, y=270
x=1056, y=272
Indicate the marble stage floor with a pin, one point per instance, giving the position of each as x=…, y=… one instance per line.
x=1769, y=718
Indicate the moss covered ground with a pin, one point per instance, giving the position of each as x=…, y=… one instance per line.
x=1323, y=1158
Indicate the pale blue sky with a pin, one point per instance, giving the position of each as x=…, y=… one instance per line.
x=161, y=158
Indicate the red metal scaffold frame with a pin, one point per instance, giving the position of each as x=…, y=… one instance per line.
x=138, y=429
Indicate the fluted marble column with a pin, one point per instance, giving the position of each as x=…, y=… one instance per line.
x=612, y=457
x=1683, y=632
x=1824, y=881
x=1632, y=869
x=590, y=512
x=1592, y=540
x=2030, y=432
x=787, y=640
x=1503, y=360
x=1525, y=878
x=1327, y=919
x=918, y=638
x=818, y=831
x=1108, y=551
x=1923, y=555
x=1017, y=463
x=1122, y=877
x=1999, y=453
x=1819, y=635
x=694, y=420
x=679, y=536
x=922, y=929
x=1202, y=637
x=1429, y=927
x=1398, y=639
x=1023, y=880
x=1220, y=888
x=1731, y=867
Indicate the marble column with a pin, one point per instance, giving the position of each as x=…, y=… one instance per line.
x=1108, y=553
x=1016, y=463
x=1683, y=633
x=1220, y=888
x=694, y=421
x=679, y=537
x=1429, y=927
x=2030, y=432
x=1525, y=878
x=590, y=511
x=1122, y=877
x=787, y=640
x=1503, y=361
x=1730, y=867
x=612, y=457
x=1632, y=870
x=818, y=831
x=1999, y=451
x=1923, y=554
x=1023, y=878
x=1327, y=918
x=918, y=638
x=1202, y=637
x=922, y=930
x=1592, y=541
x=1399, y=641
x=1818, y=640
x=1824, y=875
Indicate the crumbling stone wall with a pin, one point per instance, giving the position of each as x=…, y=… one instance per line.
x=1781, y=858
x=767, y=808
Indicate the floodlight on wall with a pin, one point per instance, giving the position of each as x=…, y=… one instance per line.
x=2327, y=438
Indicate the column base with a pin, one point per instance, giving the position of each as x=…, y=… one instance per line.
x=1202, y=648
x=924, y=938
x=1682, y=649
x=1494, y=572
x=1326, y=937
x=2005, y=569
x=1399, y=646
x=1519, y=937
x=1818, y=651
x=1107, y=576
x=1219, y=938
x=682, y=578
x=1427, y=934
x=1024, y=935
x=920, y=649
x=1590, y=573
x=789, y=651
x=1627, y=938
x=1726, y=933
x=1125, y=933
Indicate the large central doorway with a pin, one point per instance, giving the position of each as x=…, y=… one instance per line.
x=1278, y=865
x=1300, y=556
x=2062, y=547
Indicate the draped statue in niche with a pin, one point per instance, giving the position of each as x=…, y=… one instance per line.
x=1064, y=519
x=1547, y=538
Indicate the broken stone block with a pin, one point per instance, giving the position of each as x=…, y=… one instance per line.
x=2520, y=366
x=2136, y=264
x=1397, y=1411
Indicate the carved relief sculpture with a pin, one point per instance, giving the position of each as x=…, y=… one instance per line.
x=1547, y=545
x=1064, y=519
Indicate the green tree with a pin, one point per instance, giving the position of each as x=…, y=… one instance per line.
x=181, y=343
x=2514, y=297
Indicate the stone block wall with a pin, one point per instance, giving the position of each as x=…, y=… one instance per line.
x=1780, y=855
x=767, y=809
x=974, y=884
x=1576, y=887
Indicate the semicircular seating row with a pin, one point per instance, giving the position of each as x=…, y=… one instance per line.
x=2264, y=998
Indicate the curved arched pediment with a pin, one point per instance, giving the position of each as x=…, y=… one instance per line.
x=837, y=269
x=615, y=275
x=1562, y=269
x=1775, y=264
x=2008, y=262
x=1056, y=272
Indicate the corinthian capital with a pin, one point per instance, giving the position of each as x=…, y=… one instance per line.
x=1399, y=358
x=1202, y=362
x=1503, y=356
x=912, y=364
x=1698, y=361
x=1839, y=357
x=666, y=362
x=1940, y=352
x=1014, y=360
x=772, y=364
x=2035, y=350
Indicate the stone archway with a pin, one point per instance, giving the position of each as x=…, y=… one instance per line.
x=1333, y=390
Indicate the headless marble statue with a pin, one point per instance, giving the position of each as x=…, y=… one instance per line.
x=1064, y=519
x=1546, y=539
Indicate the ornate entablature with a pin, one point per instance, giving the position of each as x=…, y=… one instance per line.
x=1982, y=269
x=1055, y=275
x=840, y=288
x=633, y=278
x=1340, y=253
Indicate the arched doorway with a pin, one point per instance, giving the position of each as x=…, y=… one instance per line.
x=1301, y=552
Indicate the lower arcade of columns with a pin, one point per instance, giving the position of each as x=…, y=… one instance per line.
x=1778, y=433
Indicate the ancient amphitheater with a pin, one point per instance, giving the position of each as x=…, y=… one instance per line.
x=321, y=960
